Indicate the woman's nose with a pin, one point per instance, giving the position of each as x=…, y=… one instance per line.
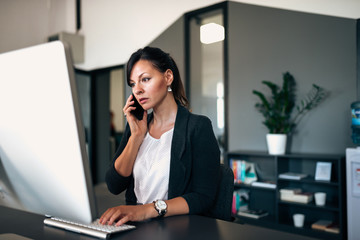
x=137, y=89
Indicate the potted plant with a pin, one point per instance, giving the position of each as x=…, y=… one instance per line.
x=278, y=110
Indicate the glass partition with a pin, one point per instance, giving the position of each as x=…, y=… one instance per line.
x=206, y=68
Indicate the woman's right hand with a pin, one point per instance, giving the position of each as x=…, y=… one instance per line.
x=125, y=161
x=138, y=127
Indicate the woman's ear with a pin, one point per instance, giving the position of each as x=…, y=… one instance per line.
x=169, y=77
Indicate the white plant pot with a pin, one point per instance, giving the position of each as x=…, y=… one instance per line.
x=276, y=143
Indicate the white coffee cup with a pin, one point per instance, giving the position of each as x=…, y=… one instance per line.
x=298, y=220
x=320, y=198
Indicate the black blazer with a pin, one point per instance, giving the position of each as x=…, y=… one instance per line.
x=194, y=163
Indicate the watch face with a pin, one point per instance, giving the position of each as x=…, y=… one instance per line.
x=161, y=205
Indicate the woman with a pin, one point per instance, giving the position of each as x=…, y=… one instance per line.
x=168, y=162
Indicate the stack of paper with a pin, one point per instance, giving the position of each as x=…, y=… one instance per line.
x=289, y=191
x=253, y=213
x=292, y=176
x=266, y=184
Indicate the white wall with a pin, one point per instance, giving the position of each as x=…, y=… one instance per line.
x=27, y=23
x=338, y=8
x=113, y=29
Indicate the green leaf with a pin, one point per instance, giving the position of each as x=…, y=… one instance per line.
x=278, y=106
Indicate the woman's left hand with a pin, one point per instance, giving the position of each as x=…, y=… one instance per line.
x=124, y=213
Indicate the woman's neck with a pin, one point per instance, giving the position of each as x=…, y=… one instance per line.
x=164, y=118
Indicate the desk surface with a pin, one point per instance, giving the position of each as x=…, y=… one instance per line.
x=171, y=228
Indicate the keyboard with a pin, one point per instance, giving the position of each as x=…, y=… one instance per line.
x=94, y=229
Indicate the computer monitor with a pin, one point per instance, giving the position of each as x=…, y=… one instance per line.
x=43, y=161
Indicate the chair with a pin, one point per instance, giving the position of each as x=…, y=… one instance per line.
x=224, y=196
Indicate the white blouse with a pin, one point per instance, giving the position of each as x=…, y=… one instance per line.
x=152, y=168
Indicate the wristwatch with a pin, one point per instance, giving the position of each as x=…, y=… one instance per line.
x=160, y=207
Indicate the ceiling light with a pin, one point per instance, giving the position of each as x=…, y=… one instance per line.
x=211, y=33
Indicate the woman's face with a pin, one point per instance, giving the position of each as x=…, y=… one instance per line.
x=148, y=84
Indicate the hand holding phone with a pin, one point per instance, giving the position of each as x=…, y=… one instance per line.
x=139, y=111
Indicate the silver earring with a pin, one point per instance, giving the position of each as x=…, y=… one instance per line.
x=169, y=89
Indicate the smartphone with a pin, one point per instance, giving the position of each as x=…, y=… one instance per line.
x=139, y=111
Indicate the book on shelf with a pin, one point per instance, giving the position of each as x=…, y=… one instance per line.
x=299, y=198
x=253, y=213
x=290, y=191
x=292, y=176
x=326, y=225
x=333, y=228
x=264, y=184
x=295, y=195
x=321, y=224
x=244, y=171
x=240, y=200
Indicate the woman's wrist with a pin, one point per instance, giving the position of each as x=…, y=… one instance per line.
x=150, y=211
x=136, y=140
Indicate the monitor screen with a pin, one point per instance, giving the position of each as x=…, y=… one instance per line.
x=43, y=161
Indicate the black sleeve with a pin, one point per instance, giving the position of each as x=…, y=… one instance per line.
x=115, y=182
x=205, y=167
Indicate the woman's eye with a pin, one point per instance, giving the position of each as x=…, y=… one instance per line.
x=145, y=79
x=132, y=85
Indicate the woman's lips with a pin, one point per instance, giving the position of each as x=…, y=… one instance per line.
x=143, y=100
